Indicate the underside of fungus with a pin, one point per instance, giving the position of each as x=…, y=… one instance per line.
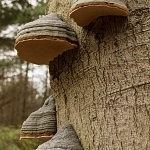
x=85, y=11
x=44, y=39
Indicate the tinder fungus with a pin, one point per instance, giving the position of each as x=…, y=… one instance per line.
x=65, y=139
x=85, y=11
x=41, y=123
x=44, y=39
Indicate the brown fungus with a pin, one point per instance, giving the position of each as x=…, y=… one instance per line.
x=85, y=11
x=41, y=123
x=44, y=39
x=65, y=139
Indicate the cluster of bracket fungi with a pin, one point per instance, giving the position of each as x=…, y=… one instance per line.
x=42, y=40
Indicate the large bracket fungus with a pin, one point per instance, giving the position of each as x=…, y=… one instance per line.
x=41, y=123
x=65, y=139
x=44, y=39
x=85, y=11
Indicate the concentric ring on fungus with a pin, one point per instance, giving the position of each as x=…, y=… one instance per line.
x=65, y=139
x=44, y=39
x=41, y=124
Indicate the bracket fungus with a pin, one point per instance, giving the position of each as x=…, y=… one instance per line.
x=41, y=123
x=44, y=39
x=65, y=139
x=85, y=11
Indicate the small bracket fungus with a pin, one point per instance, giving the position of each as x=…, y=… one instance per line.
x=44, y=39
x=65, y=139
x=41, y=123
x=85, y=11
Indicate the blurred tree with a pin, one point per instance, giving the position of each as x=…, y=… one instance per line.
x=12, y=107
x=18, y=98
x=19, y=11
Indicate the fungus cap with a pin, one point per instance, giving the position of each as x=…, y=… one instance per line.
x=44, y=39
x=41, y=123
x=85, y=11
x=65, y=138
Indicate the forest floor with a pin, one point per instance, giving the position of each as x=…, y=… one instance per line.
x=9, y=140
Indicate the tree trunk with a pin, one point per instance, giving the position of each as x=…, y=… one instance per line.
x=103, y=88
x=24, y=98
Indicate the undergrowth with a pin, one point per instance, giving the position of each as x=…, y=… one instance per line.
x=9, y=140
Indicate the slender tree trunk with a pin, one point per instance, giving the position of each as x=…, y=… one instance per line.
x=46, y=86
x=103, y=88
x=24, y=98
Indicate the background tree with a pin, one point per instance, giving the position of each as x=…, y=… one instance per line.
x=18, y=93
x=16, y=88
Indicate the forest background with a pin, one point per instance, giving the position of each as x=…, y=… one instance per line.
x=23, y=86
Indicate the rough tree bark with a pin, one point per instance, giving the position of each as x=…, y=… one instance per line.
x=103, y=88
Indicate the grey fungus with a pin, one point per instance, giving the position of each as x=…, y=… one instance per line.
x=41, y=123
x=65, y=139
x=42, y=40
